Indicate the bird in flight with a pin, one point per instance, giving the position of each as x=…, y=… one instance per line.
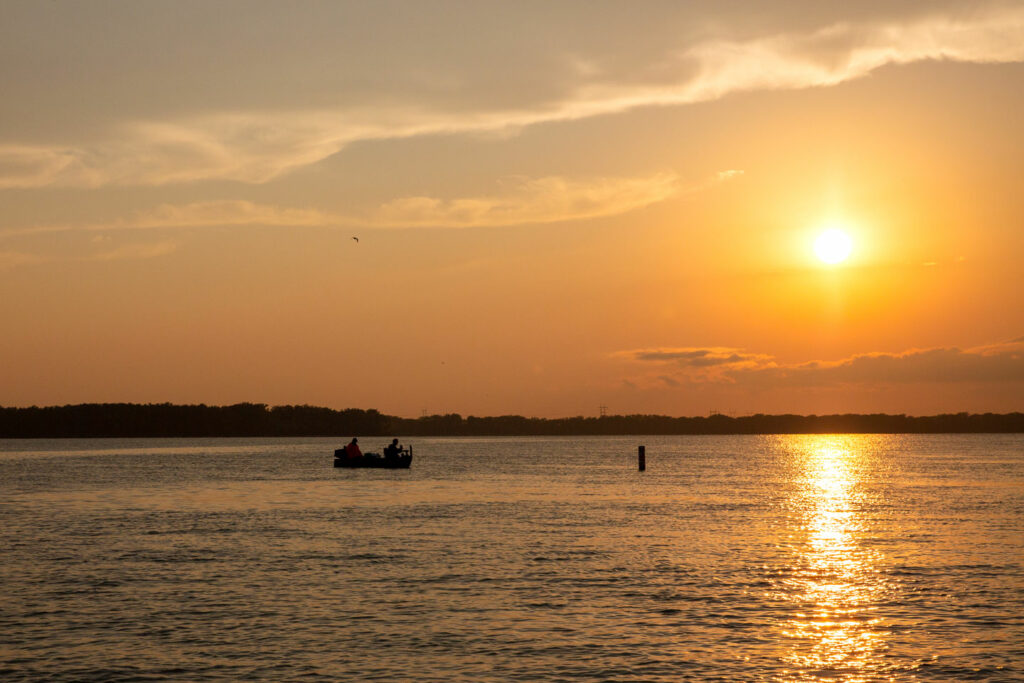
x=356, y=239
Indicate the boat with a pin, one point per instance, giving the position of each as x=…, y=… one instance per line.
x=400, y=462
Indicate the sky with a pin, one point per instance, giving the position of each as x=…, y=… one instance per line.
x=523, y=207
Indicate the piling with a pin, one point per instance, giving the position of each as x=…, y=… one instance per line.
x=642, y=459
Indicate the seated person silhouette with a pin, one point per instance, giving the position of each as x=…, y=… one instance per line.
x=352, y=449
x=393, y=450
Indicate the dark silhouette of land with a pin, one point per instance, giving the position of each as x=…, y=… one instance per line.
x=257, y=419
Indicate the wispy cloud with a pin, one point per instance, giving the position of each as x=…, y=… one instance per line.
x=257, y=146
x=698, y=357
x=998, y=363
x=526, y=200
x=133, y=252
x=1002, y=363
x=124, y=252
x=223, y=212
x=11, y=259
x=519, y=200
x=42, y=165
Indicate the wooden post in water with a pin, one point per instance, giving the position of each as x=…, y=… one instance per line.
x=642, y=459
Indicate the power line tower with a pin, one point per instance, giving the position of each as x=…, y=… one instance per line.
x=602, y=411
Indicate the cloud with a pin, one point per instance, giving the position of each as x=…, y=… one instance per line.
x=995, y=363
x=40, y=166
x=11, y=259
x=728, y=175
x=526, y=200
x=126, y=252
x=950, y=365
x=133, y=252
x=519, y=200
x=698, y=357
x=259, y=145
x=223, y=212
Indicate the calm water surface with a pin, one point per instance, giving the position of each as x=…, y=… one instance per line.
x=776, y=558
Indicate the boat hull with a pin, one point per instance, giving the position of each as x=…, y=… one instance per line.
x=402, y=462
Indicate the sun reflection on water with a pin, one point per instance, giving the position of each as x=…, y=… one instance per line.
x=834, y=585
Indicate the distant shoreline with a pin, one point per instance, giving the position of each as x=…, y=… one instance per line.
x=131, y=420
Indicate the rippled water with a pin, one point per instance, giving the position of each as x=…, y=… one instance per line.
x=804, y=558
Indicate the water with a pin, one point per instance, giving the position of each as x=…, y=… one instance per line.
x=776, y=558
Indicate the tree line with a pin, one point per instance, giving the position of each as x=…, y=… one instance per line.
x=258, y=419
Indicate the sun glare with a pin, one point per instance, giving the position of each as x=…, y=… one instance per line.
x=833, y=246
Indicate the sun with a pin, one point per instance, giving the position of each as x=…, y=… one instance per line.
x=833, y=246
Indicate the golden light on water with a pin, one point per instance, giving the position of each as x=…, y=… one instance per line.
x=834, y=581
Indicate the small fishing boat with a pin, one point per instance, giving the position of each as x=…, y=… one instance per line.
x=399, y=462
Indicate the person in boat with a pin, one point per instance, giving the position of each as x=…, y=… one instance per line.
x=352, y=449
x=393, y=450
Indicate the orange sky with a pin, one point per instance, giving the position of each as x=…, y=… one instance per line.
x=558, y=207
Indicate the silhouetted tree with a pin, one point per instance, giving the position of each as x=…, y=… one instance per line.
x=257, y=419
